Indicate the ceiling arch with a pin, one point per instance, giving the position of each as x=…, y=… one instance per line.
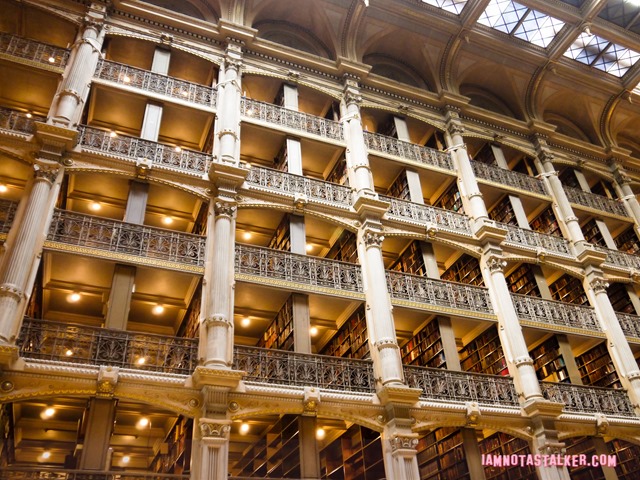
x=291, y=35
x=195, y=9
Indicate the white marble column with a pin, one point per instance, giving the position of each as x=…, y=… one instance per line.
x=226, y=147
x=23, y=247
x=399, y=451
x=100, y=419
x=211, y=450
x=68, y=103
x=625, y=193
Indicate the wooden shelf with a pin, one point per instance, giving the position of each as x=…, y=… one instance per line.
x=547, y=223
x=425, y=348
x=281, y=239
x=628, y=241
x=628, y=456
x=191, y=322
x=279, y=334
x=356, y=455
x=597, y=369
x=339, y=173
x=549, y=363
x=502, y=444
x=485, y=155
x=503, y=212
x=410, y=260
x=345, y=248
x=441, y=455
x=619, y=298
x=484, y=354
x=568, y=289
x=177, y=459
x=450, y=200
x=523, y=281
x=351, y=340
x=583, y=446
x=465, y=270
x=592, y=233
x=400, y=187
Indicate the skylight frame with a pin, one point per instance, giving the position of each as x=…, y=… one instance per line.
x=451, y=6
x=602, y=54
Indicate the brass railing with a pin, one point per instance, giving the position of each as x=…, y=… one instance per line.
x=579, y=398
x=597, y=202
x=551, y=312
x=18, y=121
x=408, y=150
x=81, y=344
x=426, y=214
x=7, y=214
x=510, y=178
x=73, y=228
x=620, y=259
x=156, y=83
x=33, y=50
x=135, y=149
x=630, y=324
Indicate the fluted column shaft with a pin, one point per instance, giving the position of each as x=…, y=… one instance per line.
x=23, y=249
x=626, y=194
x=227, y=143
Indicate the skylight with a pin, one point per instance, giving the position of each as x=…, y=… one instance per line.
x=453, y=6
x=522, y=22
x=602, y=54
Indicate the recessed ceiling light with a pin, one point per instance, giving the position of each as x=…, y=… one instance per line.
x=167, y=220
x=141, y=361
x=246, y=235
x=46, y=455
x=143, y=422
x=74, y=297
x=52, y=59
x=309, y=247
x=126, y=79
x=244, y=428
x=320, y=433
x=95, y=206
x=68, y=352
x=178, y=148
x=126, y=459
x=157, y=310
x=313, y=331
x=245, y=322
x=49, y=412
x=4, y=189
x=113, y=134
x=28, y=115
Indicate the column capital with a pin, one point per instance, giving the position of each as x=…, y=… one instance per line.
x=214, y=428
x=351, y=90
x=453, y=123
x=403, y=442
x=372, y=238
x=233, y=54
x=46, y=172
x=223, y=208
x=598, y=284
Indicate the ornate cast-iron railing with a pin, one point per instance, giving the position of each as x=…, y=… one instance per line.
x=316, y=190
x=555, y=313
x=7, y=214
x=119, y=237
x=630, y=324
x=32, y=50
x=80, y=344
x=308, y=270
x=43, y=473
x=508, y=177
x=18, y=121
x=408, y=150
x=620, y=259
x=134, y=148
x=279, y=367
x=531, y=238
x=416, y=288
x=449, y=386
x=579, y=398
x=597, y=202
x=285, y=117
x=425, y=214
x=156, y=83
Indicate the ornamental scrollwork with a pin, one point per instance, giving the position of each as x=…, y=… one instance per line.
x=48, y=174
x=213, y=429
x=225, y=209
x=372, y=239
x=401, y=442
x=455, y=128
x=599, y=285
x=496, y=263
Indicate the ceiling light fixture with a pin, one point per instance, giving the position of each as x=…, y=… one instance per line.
x=178, y=148
x=68, y=352
x=126, y=459
x=246, y=235
x=157, y=310
x=309, y=247
x=320, y=434
x=126, y=79
x=52, y=59
x=167, y=220
x=46, y=454
x=49, y=412
x=244, y=428
x=143, y=422
x=113, y=134
x=74, y=297
x=28, y=115
x=313, y=331
x=4, y=189
x=245, y=322
x=141, y=361
x=95, y=206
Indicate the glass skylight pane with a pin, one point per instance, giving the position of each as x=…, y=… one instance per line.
x=502, y=15
x=453, y=6
x=538, y=28
x=616, y=59
x=586, y=48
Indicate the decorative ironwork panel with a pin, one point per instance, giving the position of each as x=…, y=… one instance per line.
x=597, y=202
x=579, y=398
x=416, y=288
x=64, y=342
x=318, y=190
x=308, y=270
x=508, y=177
x=279, y=367
x=32, y=50
x=18, y=121
x=156, y=83
x=630, y=324
x=133, y=148
x=531, y=238
x=114, y=236
x=426, y=214
x=285, y=117
x=7, y=214
x=449, y=386
x=555, y=313
x=408, y=150
x=620, y=259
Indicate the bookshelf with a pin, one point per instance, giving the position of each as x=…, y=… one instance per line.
x=526, y=166
x=400, y=187
x=281, y=160
x=503, y=444
x=351, y=341
x=355, y=455
x=628, y=456
x=503, y=212
x=191, y=322
x=583, y=446
x=596, y=368
x=345, y=248
x=281, y=239
x=547, y=223
x=485, y=155
x=568, y=178
x=592, y=233
x=568, y=289
x=484, y=354
x=604, y=188
x=276, y=454
x=388, y=127
x=523, y=281
x=628, y=241
x=339, y=173
x=410, y=260
x=279, y=334
x=549, y=363
x=425, y=348
x=436, y=140
x=441, y=455
x=465, y=270
x=619, y=298
x=177, y=459
x=450, y=199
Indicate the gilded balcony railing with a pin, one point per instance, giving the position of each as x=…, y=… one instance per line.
x=513, y=179
x=415, y=288
x=134, y=148
x=156, y=83
x=7, y=214
x=119, y=237
x=630, y=324
x=450, y=386
x=314, y=190
x=280, y=367
x=286, y=117
x=33, y=50
x=537, y=240
x=597, y=202
x=408, y=150
x=579, y=398
x=304, y=269
x=426, y=214
x=620, y=259
x=45, y=473
x=551, y=312
x=81, y=344
x=18, y=121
